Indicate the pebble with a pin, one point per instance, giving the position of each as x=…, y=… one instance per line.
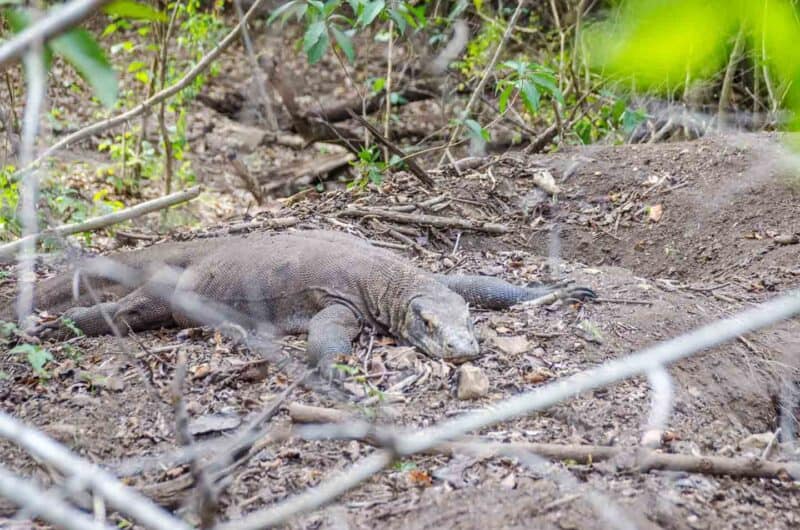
x=472, y=382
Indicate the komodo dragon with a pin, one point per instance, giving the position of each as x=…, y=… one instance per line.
x=325, y=283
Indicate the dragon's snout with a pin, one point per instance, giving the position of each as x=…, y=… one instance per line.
x=441, y=328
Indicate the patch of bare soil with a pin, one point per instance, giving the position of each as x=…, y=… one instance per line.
x=678, y=234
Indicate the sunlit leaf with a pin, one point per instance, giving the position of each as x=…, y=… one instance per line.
x=284, y=11
x=37, y=357
x=135, y=66
x=134, y=10
x=660, y=43
x=313, y=34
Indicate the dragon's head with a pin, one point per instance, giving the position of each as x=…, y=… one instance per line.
x=440, y=326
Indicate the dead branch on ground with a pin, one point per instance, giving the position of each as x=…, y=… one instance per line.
x=426, y=220
x=629, y=458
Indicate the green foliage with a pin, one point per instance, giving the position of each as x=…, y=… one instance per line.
x=661, y=45
x=36, y=356
x=610, y=119
x=135, y=11
x=342, y=20
x=404, y=466
x=64, y=204
x=475, y=131
x=479, y=49
x=371, y=167
x=531, y=81
x=9, y=199
x=80, y=50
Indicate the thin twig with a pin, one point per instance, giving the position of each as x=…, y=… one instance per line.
x=486, y=74
x=105, y=220
x=119, y=119
x=56, y=21
x=123, y=499
x=208, y=504
x=45, y=505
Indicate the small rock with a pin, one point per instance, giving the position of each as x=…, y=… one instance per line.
x=787, y=239
x=211, y=423
x=538, y=375
x=510, y=482
x=756, y=441
x=512, y=345
x=472, y=382
x=401, y=357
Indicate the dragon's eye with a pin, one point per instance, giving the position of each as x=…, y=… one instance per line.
x=429, y=321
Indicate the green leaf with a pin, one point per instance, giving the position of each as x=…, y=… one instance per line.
x=530, y=96
x=371, y=12
x=135, y=66
x=285, y=10
x=313, y=35
x=504, y=95
x=82, y=52
x=345, y=43
x=37, y=357
x=378, y=84
x=398, y=18
x=316, y=52
x=330, y=7
x=548, y=83
x=134, y=10
x=18, y=19
x=395, y=98
x=475, y=130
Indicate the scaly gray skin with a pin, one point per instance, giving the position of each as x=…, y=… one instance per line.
x=327, y=284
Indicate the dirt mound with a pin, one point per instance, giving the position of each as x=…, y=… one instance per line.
x=671, y=236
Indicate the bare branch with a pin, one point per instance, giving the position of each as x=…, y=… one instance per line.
x=314, y=497
x=487, y=73
x=122, y=498
x=140, y=109
x=44, y=505
x=105, y=220
x=660, y=408
x=56, y=21
x=424, y=219
x=36, y=75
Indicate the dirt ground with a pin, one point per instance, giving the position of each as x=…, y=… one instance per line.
x=674, y=235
